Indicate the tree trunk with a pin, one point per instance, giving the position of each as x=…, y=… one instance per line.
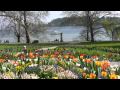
x=92, y=34
x=26, y=28
x=87, y=25
x=90, y=25
x=27, y=37
x=18, y=39
x=87, y=37
x=112, y=36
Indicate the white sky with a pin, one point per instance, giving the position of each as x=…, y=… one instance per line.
x=54, y=14
x=58, y=14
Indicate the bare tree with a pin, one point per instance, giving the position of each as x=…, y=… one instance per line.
x=91, y=20
x=27, y=17
x=16, y=26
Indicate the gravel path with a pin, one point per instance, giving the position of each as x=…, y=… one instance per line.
x=115, y=63
x=49, y=48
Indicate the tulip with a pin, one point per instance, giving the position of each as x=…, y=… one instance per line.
x=84, y=75
x=103, y=73
x=92, y=76
x=55, y=77
x=113, y=76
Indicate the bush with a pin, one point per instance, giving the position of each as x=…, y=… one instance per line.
x=35, y=41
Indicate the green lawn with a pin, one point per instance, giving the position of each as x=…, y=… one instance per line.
x=95, y=44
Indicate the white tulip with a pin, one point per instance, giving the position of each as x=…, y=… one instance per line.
x=27, y=54
x=83, y=60
x=35, y=64
x=94, y=59
x=70, y=60
x=19, y=60
x=36, y=59
x=113, y=69
x=97, y=58
x=111, y=66
x=4, y=68
x=15, y=64
x=30, y=59
x=27, y=59
x=23, y=63
x=118, y=77
x=84, y=68
x=94, y=71
x=77, y=64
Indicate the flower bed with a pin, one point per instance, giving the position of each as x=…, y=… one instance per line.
x=56, y=63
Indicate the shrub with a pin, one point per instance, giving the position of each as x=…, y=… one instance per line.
x=35, y=41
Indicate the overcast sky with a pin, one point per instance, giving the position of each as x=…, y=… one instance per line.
x=58, y=14
x=54, y=14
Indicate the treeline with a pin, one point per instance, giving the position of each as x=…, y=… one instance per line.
x=77, y=21
x=67, y=21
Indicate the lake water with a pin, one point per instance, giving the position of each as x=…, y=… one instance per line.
x=70, y=33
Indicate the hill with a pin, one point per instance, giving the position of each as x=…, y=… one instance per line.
x=76, y=21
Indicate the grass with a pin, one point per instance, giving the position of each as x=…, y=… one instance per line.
x=109, y=44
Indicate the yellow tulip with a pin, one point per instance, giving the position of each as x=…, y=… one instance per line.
x=113, y=76
x=55, y=77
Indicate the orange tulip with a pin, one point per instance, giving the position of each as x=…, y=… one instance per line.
x=94, y=56
x=66, y=56
x=84, y=75
x=45, y=56
x=103, y=73
x=2, y=60
x=22, y=56
x=105, y=65
x=75, y=60
x=71, y=56
x=88, y=61
x=92, y=76
x=52, y=56
x=31, y=54
x=16, y=63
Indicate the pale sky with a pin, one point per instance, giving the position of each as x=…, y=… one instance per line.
x=54, y=14
x=58, y=14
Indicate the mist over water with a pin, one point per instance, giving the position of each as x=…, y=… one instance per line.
x=70, y=33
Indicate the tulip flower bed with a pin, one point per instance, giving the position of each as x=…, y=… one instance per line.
x=110, y=53
x=56, y=63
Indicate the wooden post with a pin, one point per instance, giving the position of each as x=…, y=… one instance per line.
x=61, y=37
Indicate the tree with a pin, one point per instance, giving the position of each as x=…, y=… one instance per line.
x=17, y=30
x=117, y=32
x=112, y=28
x=27, y=17
x=16, y=26
x=91, y=20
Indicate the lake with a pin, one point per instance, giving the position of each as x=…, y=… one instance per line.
x=70, y=33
